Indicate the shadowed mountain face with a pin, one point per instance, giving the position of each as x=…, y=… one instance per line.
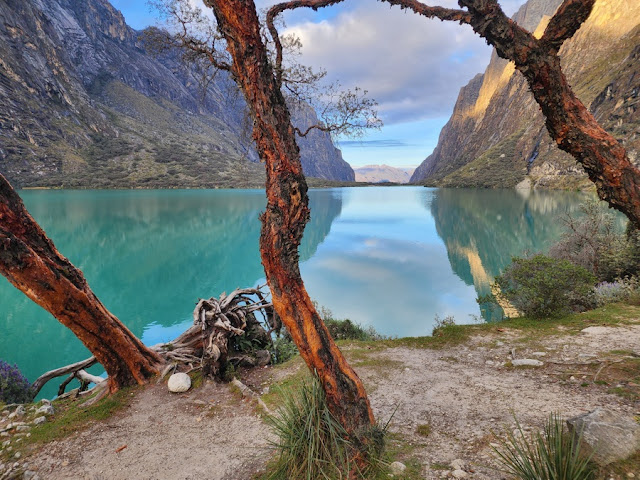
x=496, y=135
x=84, y=105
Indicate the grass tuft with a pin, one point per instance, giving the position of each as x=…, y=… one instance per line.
x=312, y=445
x=553, y=454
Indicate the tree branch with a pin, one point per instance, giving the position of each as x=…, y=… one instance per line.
x=510, y=40
x=566, y=21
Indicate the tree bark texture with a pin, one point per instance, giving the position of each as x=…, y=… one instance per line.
x=30, y=261
x=286, y=214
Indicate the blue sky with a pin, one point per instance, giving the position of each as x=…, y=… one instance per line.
x=412, y=66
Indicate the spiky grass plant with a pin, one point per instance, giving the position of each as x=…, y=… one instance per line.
x=311, y=444
x=553, y=454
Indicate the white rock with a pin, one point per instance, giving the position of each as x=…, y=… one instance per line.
x=457, y=464
x=179, y=382
x=595, y=330
x=526, y=362
x=459, y=474
x=46, y=410
x=40, y=420
x=539, y=354
x=397, y=468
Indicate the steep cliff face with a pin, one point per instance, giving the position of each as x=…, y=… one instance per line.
x=86, y=106
x=496, y=137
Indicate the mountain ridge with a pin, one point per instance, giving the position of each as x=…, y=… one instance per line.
x=88, y=107
x=499, y=139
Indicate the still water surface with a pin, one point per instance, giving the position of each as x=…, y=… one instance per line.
x=391, y=258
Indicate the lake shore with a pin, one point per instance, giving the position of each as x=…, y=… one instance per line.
x=447, y=397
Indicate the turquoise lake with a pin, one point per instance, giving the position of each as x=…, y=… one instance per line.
x=391, y=258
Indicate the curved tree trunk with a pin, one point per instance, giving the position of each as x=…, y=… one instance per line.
x=32, y=264
x=286, y=214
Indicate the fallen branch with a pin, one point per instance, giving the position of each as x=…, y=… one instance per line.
x=73, y=368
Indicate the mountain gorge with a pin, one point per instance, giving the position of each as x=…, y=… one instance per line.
x=86, y=106
x=496, y=135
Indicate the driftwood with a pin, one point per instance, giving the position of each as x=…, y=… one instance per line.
x=72, y=369
x=209, y=344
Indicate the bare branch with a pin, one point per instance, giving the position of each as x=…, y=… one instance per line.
x=566, y=21
x=73, y=368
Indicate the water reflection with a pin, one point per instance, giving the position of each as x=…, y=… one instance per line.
x=483, y=229
x=391, y=258
x=148, y=255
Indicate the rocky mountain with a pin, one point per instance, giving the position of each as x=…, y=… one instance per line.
x=382, y=174
x=496, y=135
x=84, y=105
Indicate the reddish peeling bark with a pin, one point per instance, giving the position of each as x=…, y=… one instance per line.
x=32, y=264
x=286, y=214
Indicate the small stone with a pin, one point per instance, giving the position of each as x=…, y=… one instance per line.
x=459, y=474
x=39, y=420
x=199, y=402
x=397, y=468
x=17, y=455
x=526, y=362
x=23, y=428
x=631, y=475
x=457, y=464
x=6, y=443
x=499, y=343
x=179, y=382
x=30, y=475
x=18, y=412
x=263, y=357
x=539, y=354
x=45, y=410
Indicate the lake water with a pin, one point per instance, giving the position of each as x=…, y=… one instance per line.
x=391, y=258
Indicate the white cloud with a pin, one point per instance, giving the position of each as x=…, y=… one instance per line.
x=412, y=66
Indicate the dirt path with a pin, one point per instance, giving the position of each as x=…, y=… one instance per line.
x=208, y=433
x=462, y=394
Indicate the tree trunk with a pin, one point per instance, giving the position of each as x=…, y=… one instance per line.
x=32, y=264
x=286, y=214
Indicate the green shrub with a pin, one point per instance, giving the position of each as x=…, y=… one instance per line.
x=542, y=286
x=345, y=329
x=553, y=454
x=14, y=387
x=440, y=325
x=311, y=444
x=283, y=349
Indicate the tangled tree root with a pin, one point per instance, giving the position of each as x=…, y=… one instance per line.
x=223, y=329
